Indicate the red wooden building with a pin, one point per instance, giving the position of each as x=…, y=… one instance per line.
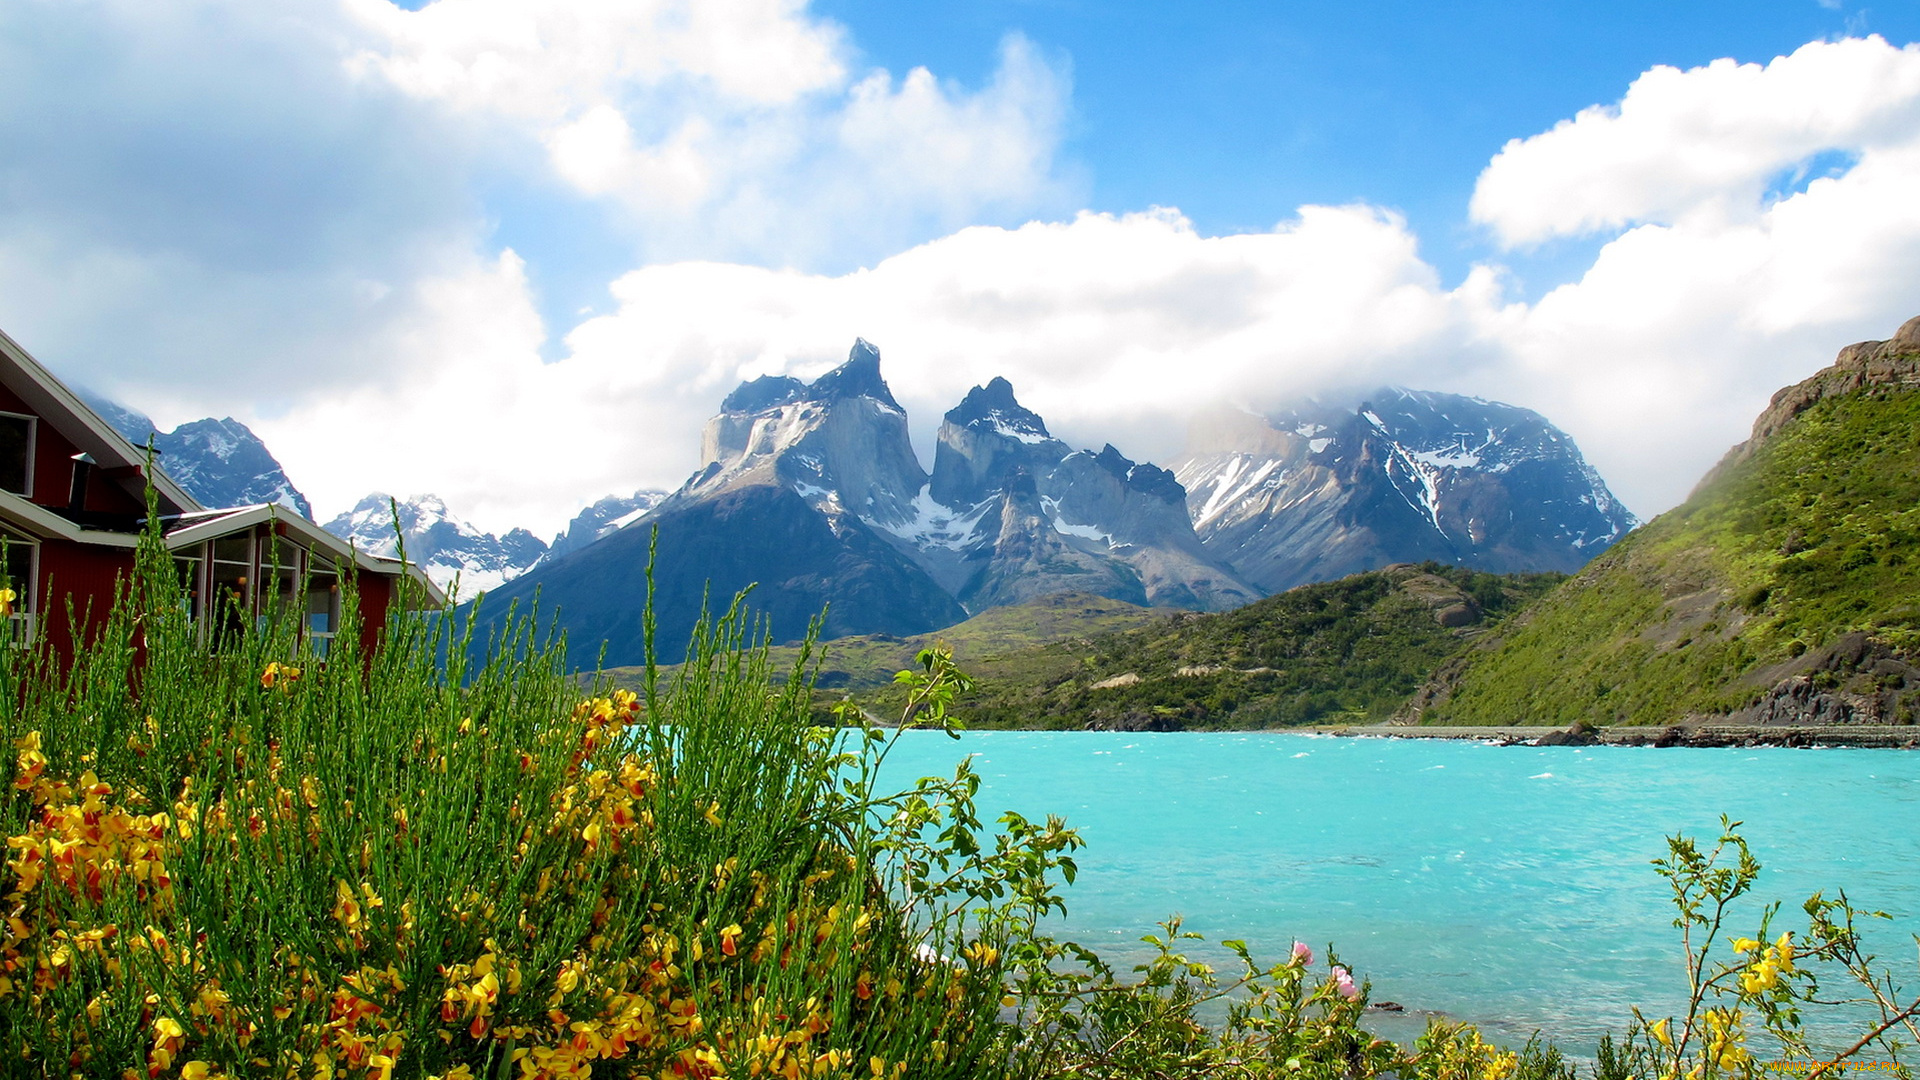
x=73, y=506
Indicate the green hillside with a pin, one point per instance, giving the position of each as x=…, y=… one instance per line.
x=998, y=638
x=1347, y=650
x=1786, y=589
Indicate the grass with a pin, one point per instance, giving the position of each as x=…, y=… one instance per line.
x=253, y=860
x=1815, y=536
x=258, y=861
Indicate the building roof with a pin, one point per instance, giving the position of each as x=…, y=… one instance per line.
x=61, y=407
x=194, y=528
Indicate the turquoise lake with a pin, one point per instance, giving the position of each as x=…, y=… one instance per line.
x=1506, y=885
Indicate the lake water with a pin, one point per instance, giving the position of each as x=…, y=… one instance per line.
x=1505, y=885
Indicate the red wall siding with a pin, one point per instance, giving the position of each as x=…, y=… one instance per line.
x=85, y=574
x=376, y=597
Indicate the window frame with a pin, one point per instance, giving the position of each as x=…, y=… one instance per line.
x=24, y=618
x=33, y=447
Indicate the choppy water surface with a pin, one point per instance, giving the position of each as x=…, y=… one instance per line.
x=1505, y=885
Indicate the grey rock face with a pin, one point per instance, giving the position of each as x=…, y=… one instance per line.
x=1318, y=493
x=223, y=463
x=841, y=443
x=1029, y=557
x=984, y=441
x=799, y=482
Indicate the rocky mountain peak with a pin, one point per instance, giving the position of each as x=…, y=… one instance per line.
x=438, y=541
x=840, y=442
x=858, y=377
x=993, y=408
x=984, y=440
x=765, y=392
x=219, y=462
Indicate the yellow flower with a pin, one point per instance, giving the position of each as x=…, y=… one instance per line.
x=195, y=1070
x=713, y=815
x=1659, y=1032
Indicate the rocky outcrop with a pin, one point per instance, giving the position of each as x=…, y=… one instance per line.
x=1320, y=492
x=1894, y=362
x=1853, y=680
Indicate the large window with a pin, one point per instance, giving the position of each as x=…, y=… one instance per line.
x=229, y=585
x=234, y=579
x=16, y=453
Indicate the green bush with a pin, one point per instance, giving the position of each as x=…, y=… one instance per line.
x=256, y=861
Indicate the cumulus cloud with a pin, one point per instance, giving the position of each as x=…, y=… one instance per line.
x=1723, y=285
x=1702, y=145
x=283, y=224
x=739, y=128
x=1116, y=327
x=217, y=206
x=1113, y=327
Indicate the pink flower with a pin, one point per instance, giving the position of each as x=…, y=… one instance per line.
x=1343, y=982
x=1302, y=955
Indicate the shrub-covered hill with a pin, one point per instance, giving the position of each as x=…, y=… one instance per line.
x=1347, y=650
x=1785, y=590
x=1001, y=636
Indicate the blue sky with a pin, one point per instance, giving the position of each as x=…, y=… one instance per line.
x=1239, y=112
x=373, y=233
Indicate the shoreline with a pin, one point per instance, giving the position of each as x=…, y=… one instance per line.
x=1694, y=734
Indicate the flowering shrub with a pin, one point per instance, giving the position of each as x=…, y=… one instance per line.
x=253, y=860
x=257, y=861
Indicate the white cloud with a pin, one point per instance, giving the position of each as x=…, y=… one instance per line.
x=281, y=220
x=1115, y=327
x=1701, y=145
x=217, y=206
x=735, y=127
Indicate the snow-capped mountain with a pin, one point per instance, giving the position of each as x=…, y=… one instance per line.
x=603, y=519
x=795, y=474
x=1319, y=492
x=219, y=462
x=443, y=545
x=812, y=494
x=1011, y=513
x=1008, y=513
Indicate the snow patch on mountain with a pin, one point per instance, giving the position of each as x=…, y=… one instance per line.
x=450, y=550
x=935, y=525
x=1321, y=491
x=601, y=520
x=220, y=463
